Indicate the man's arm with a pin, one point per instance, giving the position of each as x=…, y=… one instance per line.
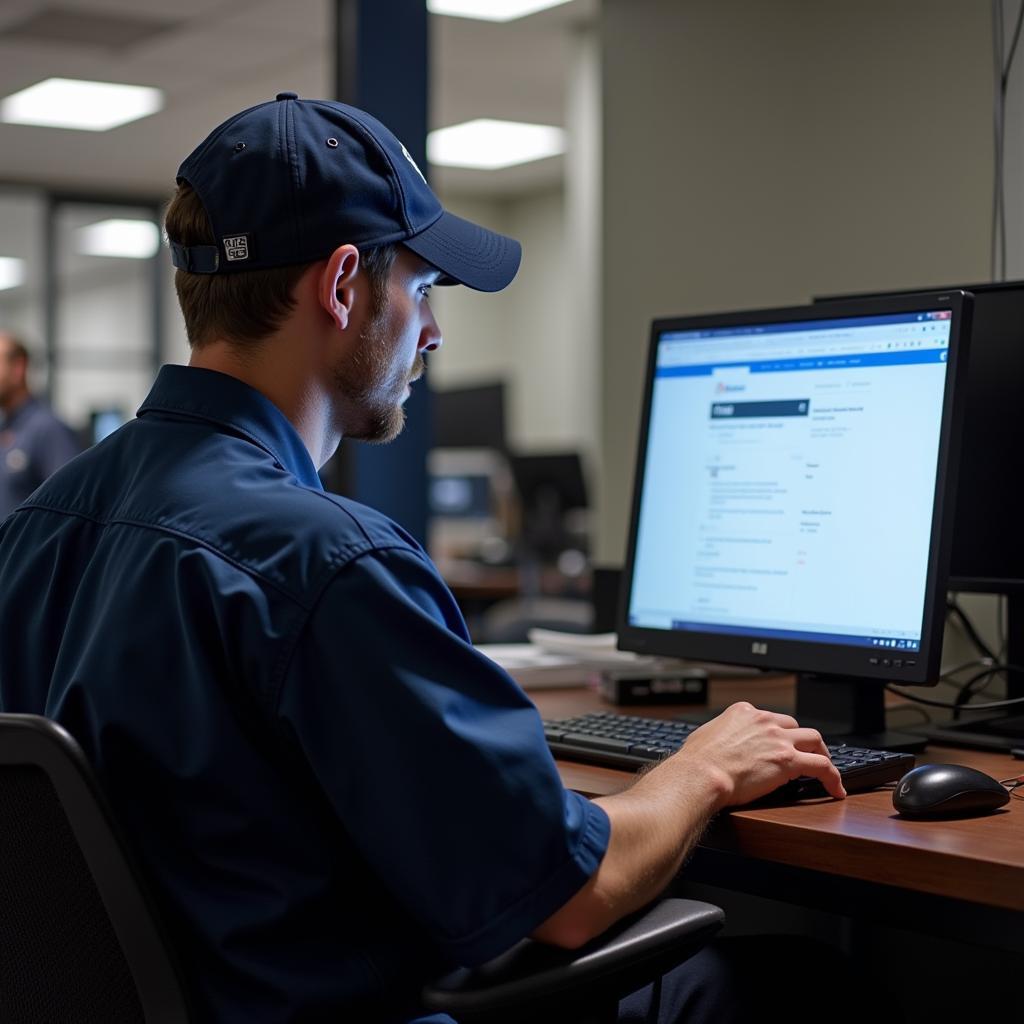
x=741, y=755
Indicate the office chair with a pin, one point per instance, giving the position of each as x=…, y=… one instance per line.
x=79, y=939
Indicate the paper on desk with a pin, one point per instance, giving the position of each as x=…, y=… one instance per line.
x=534, y=668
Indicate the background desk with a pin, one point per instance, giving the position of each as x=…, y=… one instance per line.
x=963, y=879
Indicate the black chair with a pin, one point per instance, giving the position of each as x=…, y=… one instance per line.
x=79, y=940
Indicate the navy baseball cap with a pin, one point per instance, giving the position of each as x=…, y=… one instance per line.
x=290, y=180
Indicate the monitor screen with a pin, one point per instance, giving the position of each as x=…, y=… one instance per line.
x=470, y=417
x=793, y=466
x=460, y=494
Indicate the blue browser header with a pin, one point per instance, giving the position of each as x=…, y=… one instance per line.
x=846, y=361
x=792, y=326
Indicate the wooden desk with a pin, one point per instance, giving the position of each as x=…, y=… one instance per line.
x=963, y=878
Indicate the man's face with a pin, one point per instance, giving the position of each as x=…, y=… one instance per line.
x=12, y=371
x=374, y=380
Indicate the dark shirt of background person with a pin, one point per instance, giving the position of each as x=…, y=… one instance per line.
x=33, y=442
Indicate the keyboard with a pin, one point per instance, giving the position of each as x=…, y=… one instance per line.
x=632, y=741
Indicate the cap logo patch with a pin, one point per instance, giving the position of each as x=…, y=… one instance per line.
x=237, y=247
x=408, y=156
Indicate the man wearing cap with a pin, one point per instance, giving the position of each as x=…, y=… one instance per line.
x=334, y=794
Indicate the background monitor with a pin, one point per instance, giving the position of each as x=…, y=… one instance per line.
x=103, y=422
x=793, y=470
x=988, y=542
x=470, y=417
x=469, y=496
x=552, y=495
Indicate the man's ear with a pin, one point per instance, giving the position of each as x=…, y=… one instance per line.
x=336, y=290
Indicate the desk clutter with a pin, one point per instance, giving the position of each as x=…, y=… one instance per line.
x=553, y=659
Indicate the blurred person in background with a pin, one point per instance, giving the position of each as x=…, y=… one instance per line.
x=33, y=442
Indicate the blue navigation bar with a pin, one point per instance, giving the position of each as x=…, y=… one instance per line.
x=792, y=326
x=845, y=362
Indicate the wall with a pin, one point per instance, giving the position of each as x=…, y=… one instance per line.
x=525, y=334
x=759, y=154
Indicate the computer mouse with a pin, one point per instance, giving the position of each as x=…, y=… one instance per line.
x=947, y=790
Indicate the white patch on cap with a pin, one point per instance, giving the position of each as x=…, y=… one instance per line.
x=16, y=460
x=408, y=156
x=237, y=247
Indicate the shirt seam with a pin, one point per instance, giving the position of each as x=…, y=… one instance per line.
x=194, y=538
x=290, y=645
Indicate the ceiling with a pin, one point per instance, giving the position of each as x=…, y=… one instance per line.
x=215, y=57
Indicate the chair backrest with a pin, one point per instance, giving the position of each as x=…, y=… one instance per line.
x=78, y=938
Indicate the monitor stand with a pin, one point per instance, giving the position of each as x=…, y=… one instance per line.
x=1003, y=731
x=850, y=710
x=844, y=709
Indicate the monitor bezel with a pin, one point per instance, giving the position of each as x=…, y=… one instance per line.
x=812, y=656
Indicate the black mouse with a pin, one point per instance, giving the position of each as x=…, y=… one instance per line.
x=945, y=790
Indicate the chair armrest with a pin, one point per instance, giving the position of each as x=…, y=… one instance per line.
x=534, y=978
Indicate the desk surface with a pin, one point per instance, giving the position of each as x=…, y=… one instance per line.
x=978, y=860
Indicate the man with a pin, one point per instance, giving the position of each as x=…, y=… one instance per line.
x=33, y=442
x=334, y=794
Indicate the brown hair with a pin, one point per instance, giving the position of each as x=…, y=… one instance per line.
x=16, y=348
x=246, y=306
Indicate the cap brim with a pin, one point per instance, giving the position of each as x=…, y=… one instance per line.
x=468, y=254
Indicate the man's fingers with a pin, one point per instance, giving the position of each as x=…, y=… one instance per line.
x=820, y=767
x=808, y=740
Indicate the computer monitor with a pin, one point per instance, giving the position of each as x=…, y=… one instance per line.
x=793, y=473
x=469, y=497
x=988, y=543
x=470, y=417
x=551, y=489
x=103, y=422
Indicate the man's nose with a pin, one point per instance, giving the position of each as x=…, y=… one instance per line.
x=430, y=336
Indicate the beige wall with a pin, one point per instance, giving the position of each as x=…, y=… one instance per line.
x=761, y=153
x=524, y=335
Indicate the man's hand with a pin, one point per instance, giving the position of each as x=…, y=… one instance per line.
x=753, y=752
x=735, y=758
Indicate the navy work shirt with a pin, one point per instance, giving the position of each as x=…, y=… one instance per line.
x=33, y=443
x=334, y=794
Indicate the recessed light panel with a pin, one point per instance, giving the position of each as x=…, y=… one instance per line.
x=87, y=106
x=487, y=144
x=491, y=10
x=12, y=272
x=129, y=239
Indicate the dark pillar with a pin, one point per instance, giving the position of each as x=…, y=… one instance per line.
x=381, y=66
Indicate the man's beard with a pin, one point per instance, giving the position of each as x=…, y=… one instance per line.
x=372, y=398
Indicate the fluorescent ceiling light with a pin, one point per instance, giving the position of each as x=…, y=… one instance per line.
x=491, y=10
x=88, y=106
x=490, y=145
x=131, y=239
x=12, y=272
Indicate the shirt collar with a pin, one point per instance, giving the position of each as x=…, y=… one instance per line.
x=228, y=402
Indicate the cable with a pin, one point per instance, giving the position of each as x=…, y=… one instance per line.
x=971, y=687
x=1013, y=48
x=953, y=608
x=947, y=676
x=990, y=706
